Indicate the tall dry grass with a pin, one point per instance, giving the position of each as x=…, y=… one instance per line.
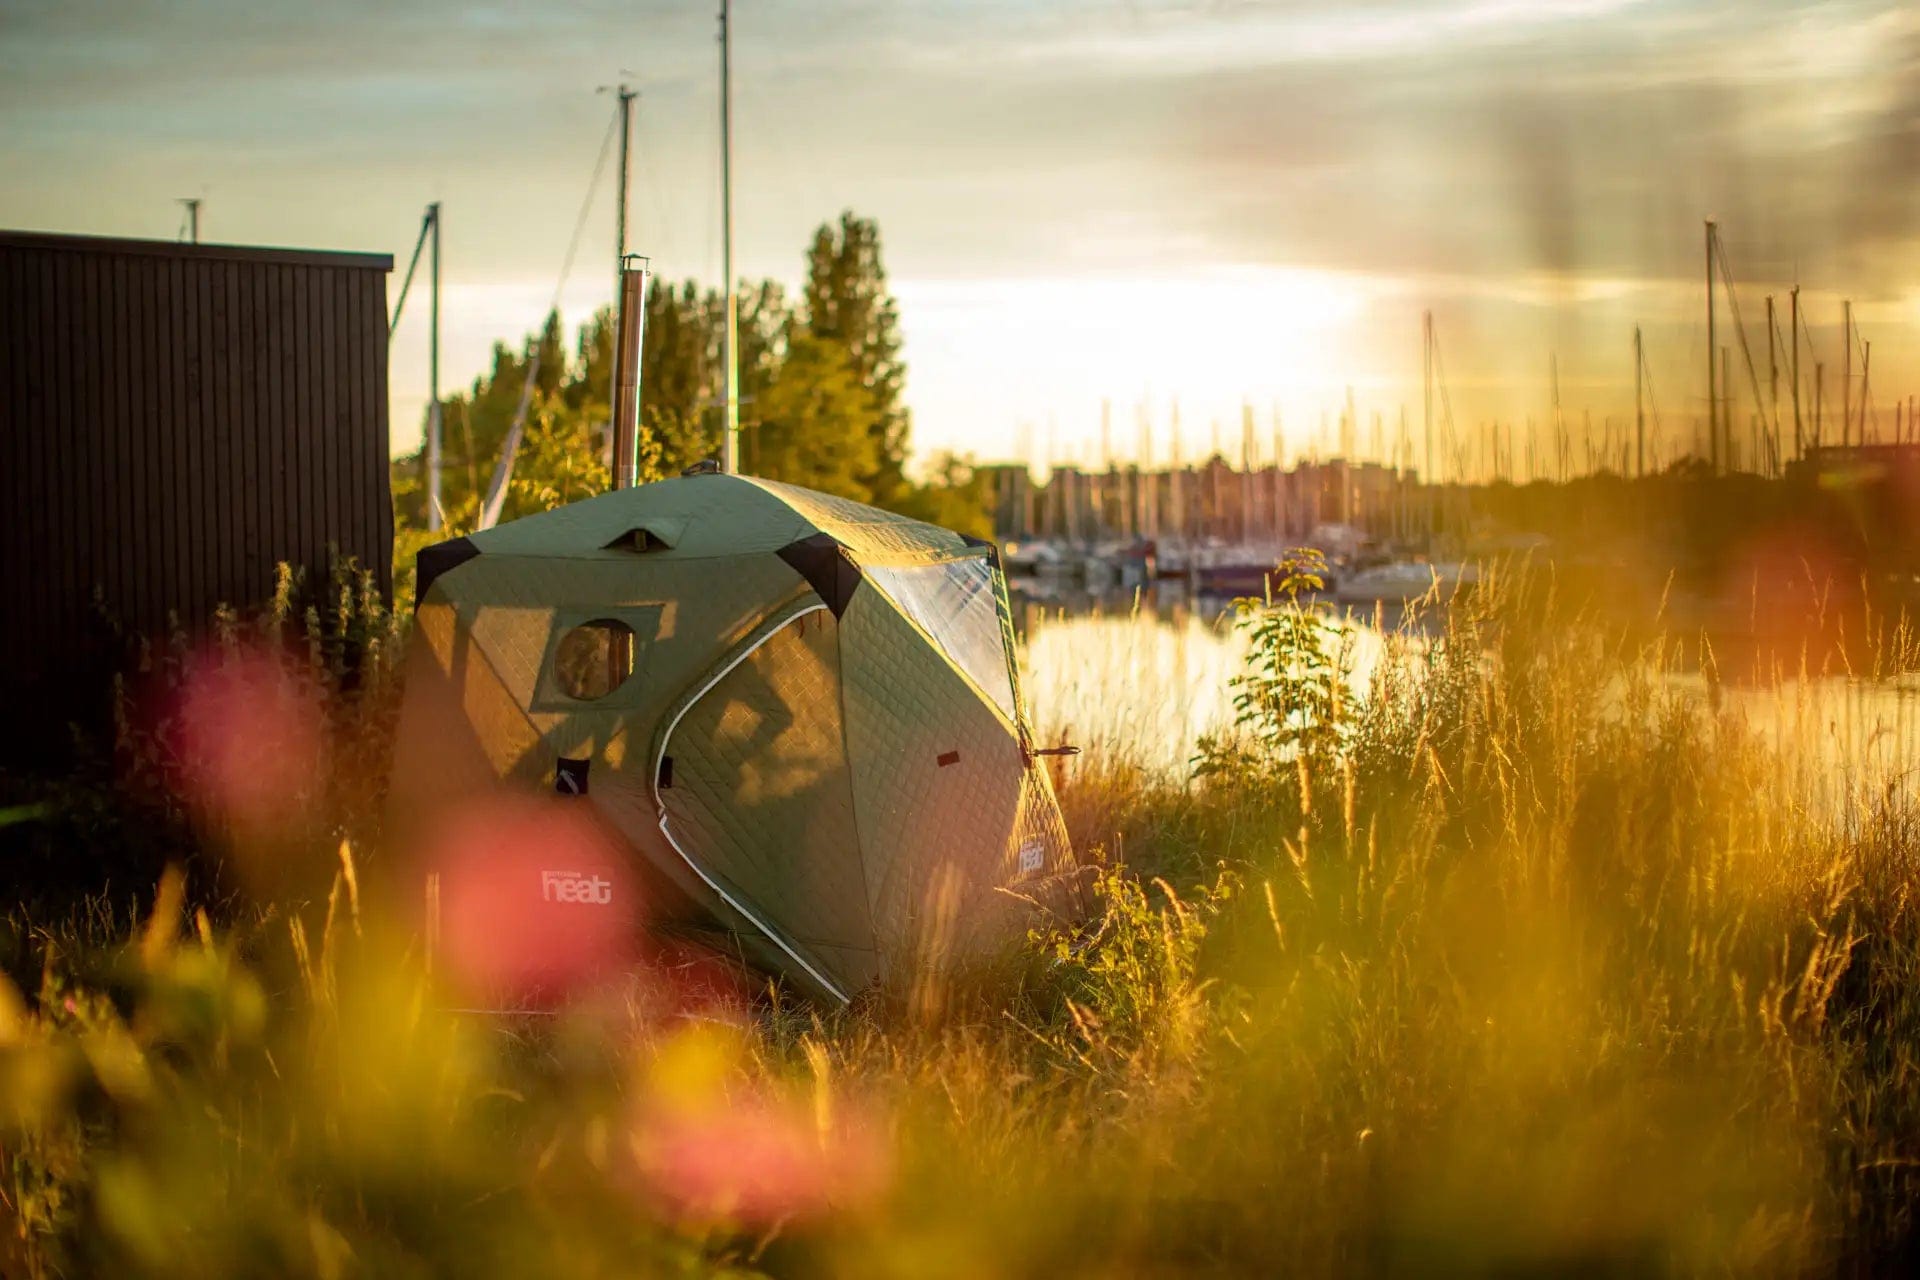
x=1527, y=958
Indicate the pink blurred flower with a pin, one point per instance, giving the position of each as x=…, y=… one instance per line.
x=757, y=1161
x=247, y=738
x=534, y=902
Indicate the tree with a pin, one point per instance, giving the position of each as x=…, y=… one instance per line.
x=762, y=323
x=592, y=385
x=958, y=497
x=821, y=398
x=847, y=302
x=560, y=460
x=473, y=424
x=677, y=375
x=812, y=421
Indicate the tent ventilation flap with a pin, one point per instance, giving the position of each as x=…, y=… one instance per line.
x=655, y=535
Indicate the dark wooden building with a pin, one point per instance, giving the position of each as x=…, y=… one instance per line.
x=174, y=421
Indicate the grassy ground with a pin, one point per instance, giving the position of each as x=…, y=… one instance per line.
x=1526, y=960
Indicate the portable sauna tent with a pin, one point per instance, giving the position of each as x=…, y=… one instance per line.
x=800, y=712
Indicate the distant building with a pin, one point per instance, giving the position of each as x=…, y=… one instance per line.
x=1214, y=500
x=174, y=421
x=1012, y=489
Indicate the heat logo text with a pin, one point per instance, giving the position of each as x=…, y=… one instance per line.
x=571, y=886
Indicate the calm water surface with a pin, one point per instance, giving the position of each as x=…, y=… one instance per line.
x=1145, y=680
x=1142, y=682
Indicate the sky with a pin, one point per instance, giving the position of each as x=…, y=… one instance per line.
x=1092, y=210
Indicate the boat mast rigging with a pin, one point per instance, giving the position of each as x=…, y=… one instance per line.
x=730, y=391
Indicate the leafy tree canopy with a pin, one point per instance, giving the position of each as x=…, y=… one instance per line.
x=822, y=388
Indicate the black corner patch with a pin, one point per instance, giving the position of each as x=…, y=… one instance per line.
x=435, y=560
x=946, y=758
x=824, y=563
x=993, y=548
x=570, y=777
x=666, y=772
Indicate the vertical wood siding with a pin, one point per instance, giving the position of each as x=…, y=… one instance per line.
x=174, y=421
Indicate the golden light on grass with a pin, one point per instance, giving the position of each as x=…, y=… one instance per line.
x=1544, y=960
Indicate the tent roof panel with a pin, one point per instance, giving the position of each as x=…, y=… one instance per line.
x=704, y=516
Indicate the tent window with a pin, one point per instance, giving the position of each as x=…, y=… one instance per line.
x=955, y=604
x=594, y=659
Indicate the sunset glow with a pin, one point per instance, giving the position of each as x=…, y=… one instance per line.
x=1211, y=204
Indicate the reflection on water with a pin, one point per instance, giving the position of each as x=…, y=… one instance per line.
x=1140, y=681
x=1847, y=741
x=1136, y=683
x=1143, y=679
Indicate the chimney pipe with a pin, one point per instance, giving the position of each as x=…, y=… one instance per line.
x=626, y=363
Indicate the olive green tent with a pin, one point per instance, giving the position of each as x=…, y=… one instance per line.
x=800, y=713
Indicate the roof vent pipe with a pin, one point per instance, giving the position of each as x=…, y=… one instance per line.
x=628, y=345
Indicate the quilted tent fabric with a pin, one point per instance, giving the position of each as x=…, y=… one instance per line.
x=761, y=789
x=870, y=535
x=939, y=802
x=849, y=790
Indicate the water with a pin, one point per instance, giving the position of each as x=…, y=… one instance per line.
x=1142, y=682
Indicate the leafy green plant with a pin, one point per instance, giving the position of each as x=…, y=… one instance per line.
x=1292, y=712
x=1133, y=986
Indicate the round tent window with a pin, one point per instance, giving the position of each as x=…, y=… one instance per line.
x=594, y=659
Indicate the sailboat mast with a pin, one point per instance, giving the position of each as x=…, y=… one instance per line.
x=1819, y=398
x=1279, y=476
x=1726, y=405
x=1246, y=472
x=1713, y=387
x=433, y=373
x=1773, y=383
x=1426, y=386
x=1426, y=391
x=1562, y=448
x=1793, y=369
x=1639, y=407
x=1866, y=386
x=1846, y=374
x=1149, y=479
x=1104, y=476
x=730, y=393
x=625, y=108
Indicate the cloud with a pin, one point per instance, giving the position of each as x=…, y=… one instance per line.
x=1510, y=161
x=1568, y=155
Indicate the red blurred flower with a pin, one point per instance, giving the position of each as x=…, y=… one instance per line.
x=247, y=737
x=757, y=1161
x=534, y=902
